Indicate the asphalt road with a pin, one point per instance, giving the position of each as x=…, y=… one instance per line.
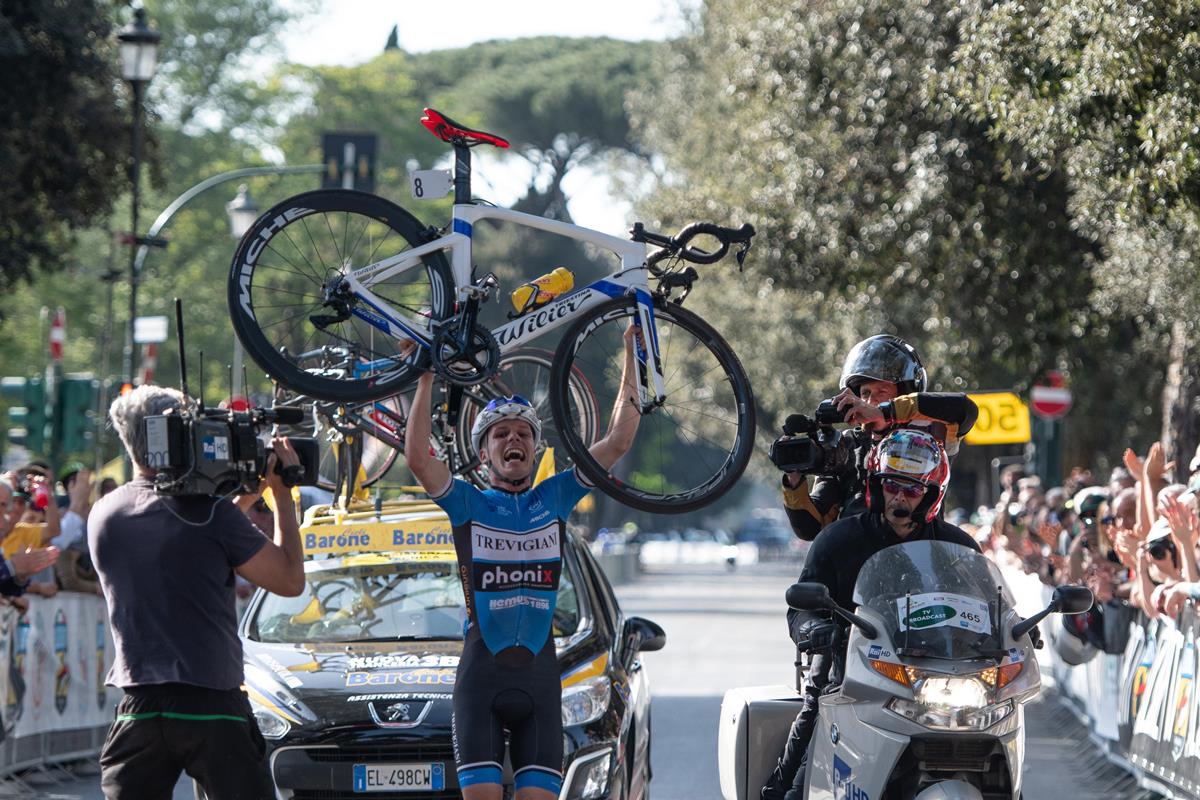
x=726, y=629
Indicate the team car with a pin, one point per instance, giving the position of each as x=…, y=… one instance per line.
x=351, y=682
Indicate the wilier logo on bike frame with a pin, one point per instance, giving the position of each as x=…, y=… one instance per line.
x=62, y=678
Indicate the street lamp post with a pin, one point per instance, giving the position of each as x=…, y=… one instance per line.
x=139, y=60
x=242, y=212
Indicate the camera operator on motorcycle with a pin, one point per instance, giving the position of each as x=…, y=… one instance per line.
x=882, y=387
x=907, y=474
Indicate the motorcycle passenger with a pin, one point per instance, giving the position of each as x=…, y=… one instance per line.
x=907, y=474
x=508, y=540
x=882, y=386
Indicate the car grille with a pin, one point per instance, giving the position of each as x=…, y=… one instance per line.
x=384, y=752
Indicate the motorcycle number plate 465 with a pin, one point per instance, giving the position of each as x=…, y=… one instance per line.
x=943, y=609
x=399, y=777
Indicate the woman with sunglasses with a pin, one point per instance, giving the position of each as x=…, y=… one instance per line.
x=907, y=474
x=508, y=540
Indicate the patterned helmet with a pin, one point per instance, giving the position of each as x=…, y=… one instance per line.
x=912, y=456
x=884, y=358
x=502, y=408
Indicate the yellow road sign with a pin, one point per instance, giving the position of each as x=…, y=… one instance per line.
x=1003, y=419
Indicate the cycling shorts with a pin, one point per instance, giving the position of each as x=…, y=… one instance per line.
x=493, y=694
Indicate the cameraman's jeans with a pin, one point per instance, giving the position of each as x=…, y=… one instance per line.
x=786, y=781
x=163, y=730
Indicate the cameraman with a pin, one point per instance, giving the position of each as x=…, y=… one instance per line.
x=883, y=387
x=167, y=566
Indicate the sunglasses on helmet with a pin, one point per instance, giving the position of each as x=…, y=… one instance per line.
x=903, y=487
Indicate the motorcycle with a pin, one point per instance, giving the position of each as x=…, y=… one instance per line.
x=937, y=671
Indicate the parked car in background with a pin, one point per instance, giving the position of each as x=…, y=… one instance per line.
x=769, y=533
x=693, y=546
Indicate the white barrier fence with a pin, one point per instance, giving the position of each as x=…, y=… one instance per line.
x=53, y=660
x=1141, y=705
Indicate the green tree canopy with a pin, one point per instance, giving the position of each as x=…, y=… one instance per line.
x=63, y=129
x=880, y=203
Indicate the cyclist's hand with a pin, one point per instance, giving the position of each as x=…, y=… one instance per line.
x=634, y=331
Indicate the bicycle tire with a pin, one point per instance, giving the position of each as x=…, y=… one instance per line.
x=691, y=450
x=528, y=372
x=277, y=282
x=378, y=455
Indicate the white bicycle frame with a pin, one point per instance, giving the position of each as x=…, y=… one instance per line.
x=630, y=279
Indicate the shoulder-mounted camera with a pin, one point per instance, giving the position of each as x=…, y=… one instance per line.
x=218, y=452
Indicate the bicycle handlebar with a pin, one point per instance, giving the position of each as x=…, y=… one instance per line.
x=677, y=245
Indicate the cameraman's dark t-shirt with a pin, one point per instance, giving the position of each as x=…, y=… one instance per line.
x=170, y=586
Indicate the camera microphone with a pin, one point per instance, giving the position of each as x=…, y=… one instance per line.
x=284, y=415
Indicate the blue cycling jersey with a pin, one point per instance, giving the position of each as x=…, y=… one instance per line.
x=509, y=549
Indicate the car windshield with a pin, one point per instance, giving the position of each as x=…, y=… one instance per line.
x=390, y=601
x=938, y=600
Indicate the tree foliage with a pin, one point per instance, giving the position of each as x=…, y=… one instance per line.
x=63, y=129
x=881, y=203
x=1106, y=97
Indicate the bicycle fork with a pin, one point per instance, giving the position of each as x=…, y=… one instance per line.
x=650, y=384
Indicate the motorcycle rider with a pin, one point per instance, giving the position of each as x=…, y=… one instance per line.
x=882, y=386
x=907, y=474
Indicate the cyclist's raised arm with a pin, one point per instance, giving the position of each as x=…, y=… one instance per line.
x=622, y=427
x=432, y=474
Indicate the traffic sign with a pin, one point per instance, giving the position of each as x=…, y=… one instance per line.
x=1050, y=402
x=1003, y=419
x=349, y=161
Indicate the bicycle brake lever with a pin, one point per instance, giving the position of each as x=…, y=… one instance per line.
x=741, y=255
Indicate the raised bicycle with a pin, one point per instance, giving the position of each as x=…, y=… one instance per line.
x=352, y=271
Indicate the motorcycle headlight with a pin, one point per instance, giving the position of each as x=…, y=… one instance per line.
x=946, y=717
x=586, y=701
x=270, y=724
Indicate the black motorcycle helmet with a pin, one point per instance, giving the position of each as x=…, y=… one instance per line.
x=884, y=357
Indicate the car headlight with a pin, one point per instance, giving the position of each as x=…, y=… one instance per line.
x=270, y=724
x=588, y=776
x=585, y=701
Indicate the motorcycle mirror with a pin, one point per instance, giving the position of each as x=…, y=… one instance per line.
x=1073, y=599
x=808, y=596
x=650, y=636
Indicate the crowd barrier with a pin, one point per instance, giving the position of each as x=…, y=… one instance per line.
x=1140, y=705
x=53, y=660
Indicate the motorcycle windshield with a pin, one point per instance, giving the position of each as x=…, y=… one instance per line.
x=938, y=600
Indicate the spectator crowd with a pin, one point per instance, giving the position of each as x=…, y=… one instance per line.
x=1133, y=540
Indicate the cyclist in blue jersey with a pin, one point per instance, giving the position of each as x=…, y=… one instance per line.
x=508, y=539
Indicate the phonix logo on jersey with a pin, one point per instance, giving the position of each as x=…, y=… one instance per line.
x=500, y=578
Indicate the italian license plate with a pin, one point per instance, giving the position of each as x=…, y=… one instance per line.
x=399, y=777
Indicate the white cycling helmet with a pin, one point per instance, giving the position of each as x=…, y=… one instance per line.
x=502, y=408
